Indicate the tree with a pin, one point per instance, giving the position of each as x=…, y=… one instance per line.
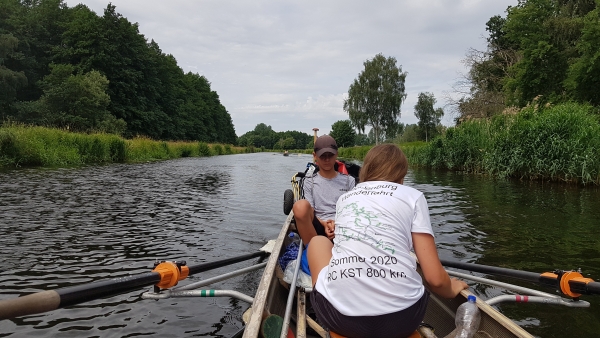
x=375, y=97
x=429, y=117
x=583, y=79
x=343, y=133
x=77, y=101
x=285, y=143
x=410, y=133
x=361, y=140
x=10, y=81
x=394, y=130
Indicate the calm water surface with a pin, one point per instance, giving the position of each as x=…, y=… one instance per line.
x=64, y=227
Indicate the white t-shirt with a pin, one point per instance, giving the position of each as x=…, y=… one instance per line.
x=371, y=271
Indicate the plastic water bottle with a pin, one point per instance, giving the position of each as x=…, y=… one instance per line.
x=294, y=237
x=467, y=319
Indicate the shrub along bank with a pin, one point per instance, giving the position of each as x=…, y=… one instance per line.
x=40, y=146
x=557, y=143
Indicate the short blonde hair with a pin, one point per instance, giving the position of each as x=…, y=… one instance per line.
x=384, y=162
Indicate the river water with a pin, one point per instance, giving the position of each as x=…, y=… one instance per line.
x=65, y=227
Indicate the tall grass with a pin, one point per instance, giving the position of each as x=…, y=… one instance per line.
x=558, y=143
x=38, y=146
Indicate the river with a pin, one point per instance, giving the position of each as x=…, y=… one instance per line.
x=65, y=227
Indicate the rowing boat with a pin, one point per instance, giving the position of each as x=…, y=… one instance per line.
x=272, y=294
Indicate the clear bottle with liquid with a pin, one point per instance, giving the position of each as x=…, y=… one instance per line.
x=467, y=319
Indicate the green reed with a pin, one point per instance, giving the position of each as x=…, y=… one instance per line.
x=39, y=146
x=557, y=143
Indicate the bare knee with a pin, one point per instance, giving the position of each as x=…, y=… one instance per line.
x=319, y=255
x=302, y=209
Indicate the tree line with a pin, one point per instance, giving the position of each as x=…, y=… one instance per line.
x=71, y=68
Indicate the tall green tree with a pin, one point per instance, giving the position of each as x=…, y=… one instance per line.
x=375, y=97
x=10, y=80
x=583, y=80
x=429, y=117
x=74, y=100
x=343, y=133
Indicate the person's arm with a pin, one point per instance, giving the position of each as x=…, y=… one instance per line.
x=307, y=190
x=436, y=277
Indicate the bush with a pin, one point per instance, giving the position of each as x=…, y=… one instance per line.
x=559, y=143
x=203, y=149
x=217, y=149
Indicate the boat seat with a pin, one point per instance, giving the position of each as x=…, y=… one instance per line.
x=415, y=334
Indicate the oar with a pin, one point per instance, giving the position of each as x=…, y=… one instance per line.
x=570, y=283
x=165, y=275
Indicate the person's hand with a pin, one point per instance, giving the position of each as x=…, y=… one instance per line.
x=457, y=286
x=330, y=228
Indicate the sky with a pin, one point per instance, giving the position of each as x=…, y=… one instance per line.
x=289, y=63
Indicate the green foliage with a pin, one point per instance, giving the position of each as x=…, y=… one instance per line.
x=410, y=134
x=375, y=97
x=343, y=133
x=40, y=146
x=544, y=50
x=264, y=136
x=204, y=149
x=559, y=143
x=217, y=149
x=116, y=80
x=357, y=153
x=583, y=79
x=429, y=117
x=10, y=80
x=77, y=101
x=362, y=140
x=285, y=144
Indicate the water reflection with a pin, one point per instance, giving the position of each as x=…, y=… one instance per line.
x=533, y=226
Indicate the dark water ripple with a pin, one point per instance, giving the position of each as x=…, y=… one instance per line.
x=65, y=227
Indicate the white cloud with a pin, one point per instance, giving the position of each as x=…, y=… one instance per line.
x=288, y=63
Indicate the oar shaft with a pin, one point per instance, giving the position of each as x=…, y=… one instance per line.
x=587, y=287
x=224, y=262
x=524, y=275
x=54, y=299
x=80, y=293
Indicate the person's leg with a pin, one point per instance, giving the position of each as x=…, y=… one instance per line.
x=319, y=255
x=304, y=214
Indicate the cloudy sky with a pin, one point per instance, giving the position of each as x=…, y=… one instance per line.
x=289, y=63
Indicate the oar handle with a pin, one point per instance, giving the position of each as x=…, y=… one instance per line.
x=165, y=275
x=35, y=303
x=570, y=283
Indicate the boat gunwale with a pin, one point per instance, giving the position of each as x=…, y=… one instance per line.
x=260, y=298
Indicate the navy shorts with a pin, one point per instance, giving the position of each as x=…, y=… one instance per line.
x=398, y=324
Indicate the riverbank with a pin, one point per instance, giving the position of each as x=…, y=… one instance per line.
x=22, y=146
x=556, y=143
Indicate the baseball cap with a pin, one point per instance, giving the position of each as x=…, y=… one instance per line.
x=325, y=144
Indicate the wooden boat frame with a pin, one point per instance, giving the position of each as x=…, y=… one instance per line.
x=269, y=299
